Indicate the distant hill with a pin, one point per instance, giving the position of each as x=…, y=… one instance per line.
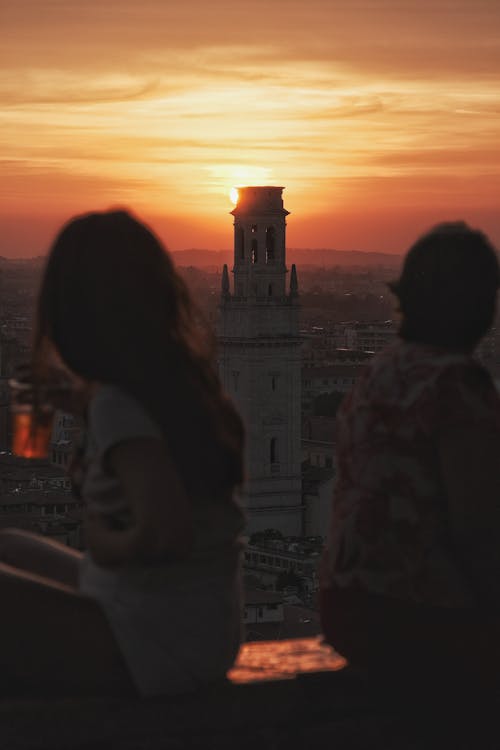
x=300, y=256
x=327, y=258
x=37, y=260
x=199, y=258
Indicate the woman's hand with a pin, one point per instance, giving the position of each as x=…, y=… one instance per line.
x=58, y=385
x=53, y=388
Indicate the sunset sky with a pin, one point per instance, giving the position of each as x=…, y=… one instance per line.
x=379, y=117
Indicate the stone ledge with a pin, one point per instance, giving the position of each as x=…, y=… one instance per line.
x=281, y=695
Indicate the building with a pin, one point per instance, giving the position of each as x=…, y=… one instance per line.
x=66, y=433
x=317, y=381
x=322, y=346
x=5, y=418
x=318, y=492
x=262, y=606
x=55, y=514
x=318, y=442
x=369, y=337
x=267, y=617
x=272, y=561
x=259, y=359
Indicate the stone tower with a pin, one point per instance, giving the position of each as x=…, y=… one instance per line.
x=259, y=359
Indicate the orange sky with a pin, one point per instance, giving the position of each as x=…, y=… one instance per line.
x=380, y=118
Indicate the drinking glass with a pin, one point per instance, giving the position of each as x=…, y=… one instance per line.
x=31, y=422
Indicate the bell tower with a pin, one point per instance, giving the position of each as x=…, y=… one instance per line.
x=259, y=359
x=259, y=243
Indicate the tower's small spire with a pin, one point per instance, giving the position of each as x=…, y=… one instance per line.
x=225, y=281
x=294, y=284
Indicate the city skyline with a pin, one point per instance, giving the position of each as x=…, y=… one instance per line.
x=381, y=118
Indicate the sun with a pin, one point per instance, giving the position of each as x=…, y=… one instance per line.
x=227, y=178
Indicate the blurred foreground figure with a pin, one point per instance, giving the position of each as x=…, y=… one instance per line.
x=153, y=606
x=411, y=574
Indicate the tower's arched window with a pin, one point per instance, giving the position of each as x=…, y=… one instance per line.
x=254, y=228
x=273, y=451
x=270, y=241
x=240, y=243
x=270, y=290
x=255, y=251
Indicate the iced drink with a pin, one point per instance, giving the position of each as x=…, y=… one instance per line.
x=31, y=427
x=31, y=437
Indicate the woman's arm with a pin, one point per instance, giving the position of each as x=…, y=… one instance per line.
x=470, y=462
x=160, y=507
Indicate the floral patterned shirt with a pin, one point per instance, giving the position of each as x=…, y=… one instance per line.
x=390, y=529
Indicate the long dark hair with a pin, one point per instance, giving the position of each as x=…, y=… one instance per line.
x=118, y=313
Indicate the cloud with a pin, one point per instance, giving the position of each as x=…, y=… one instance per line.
x=345, y=101
x=403, y=36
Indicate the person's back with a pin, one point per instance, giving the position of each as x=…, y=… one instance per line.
x=413, y=554
x=390, y=527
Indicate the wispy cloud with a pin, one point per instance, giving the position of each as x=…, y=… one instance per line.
x=160, y=102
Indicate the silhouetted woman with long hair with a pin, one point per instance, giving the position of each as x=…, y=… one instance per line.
x=153, y=605
x=411, y=575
